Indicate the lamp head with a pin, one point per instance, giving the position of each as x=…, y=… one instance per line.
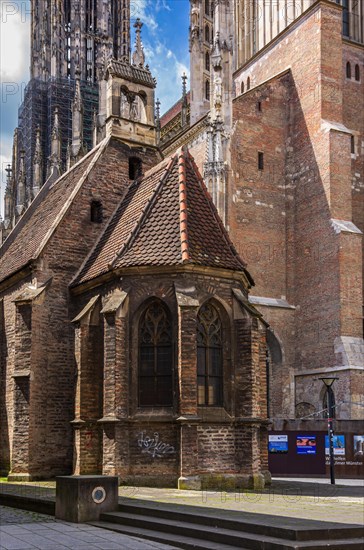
x=328, y=380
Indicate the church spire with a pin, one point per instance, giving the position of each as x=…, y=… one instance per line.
x=37, y=165
x=8, y=201
x=21, y=191
x=54, y=161
x=77, y=121
x=138, y=57
x=184, y=100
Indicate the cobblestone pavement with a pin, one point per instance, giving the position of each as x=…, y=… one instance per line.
x=22, y=530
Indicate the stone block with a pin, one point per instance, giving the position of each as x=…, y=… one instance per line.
x=83, y=498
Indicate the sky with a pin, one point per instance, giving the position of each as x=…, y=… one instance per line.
x=165, y=40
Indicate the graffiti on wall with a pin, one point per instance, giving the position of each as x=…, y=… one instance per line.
x=153, y=446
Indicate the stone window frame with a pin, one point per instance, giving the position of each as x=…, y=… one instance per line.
x=226, y=356
x=207, y=34
x=207, y=89
x=207, y=61
x=145, y=306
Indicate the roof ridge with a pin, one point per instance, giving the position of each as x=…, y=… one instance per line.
x=183, y=213
x=215, y=213
x=70, y=199
x=144, y=213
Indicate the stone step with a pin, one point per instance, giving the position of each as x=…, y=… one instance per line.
x=197, y=532
x=178, y=541
x=273, y=526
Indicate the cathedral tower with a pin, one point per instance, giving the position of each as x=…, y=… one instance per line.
x=71, y=43
x=201, y=37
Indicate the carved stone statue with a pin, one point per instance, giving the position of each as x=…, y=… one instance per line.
x=124, y=105
x=195, y=15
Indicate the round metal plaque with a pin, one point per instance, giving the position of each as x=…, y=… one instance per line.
x=98, y=495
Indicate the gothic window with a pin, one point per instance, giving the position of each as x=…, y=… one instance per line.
x=348, y=70
x=207, y=61
x=207, y=90
x=242, y=87
x=209, y=357
x=155, y=357
x=135, y=168
x=357, y=73
x=346, y=22
x=248, y=83
x=96, y=212
x=207, y=7
x=207, y=34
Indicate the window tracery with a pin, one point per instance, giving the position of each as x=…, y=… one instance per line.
x=155, y=357
x=209, y=356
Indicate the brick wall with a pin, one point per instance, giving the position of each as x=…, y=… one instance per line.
x=281, y=219
x=194, y=440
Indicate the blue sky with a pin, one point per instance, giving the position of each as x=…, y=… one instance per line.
x=165, y=39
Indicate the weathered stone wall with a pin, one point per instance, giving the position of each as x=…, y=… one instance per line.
x=196, y=441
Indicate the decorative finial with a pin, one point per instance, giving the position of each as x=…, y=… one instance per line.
x=184, y=85
x=157, y=110
x=55, y=129
x=138, y=57
x=8, y=171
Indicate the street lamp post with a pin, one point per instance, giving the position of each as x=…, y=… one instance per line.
x=328, y=381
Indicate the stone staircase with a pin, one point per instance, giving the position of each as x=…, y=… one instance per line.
x=198, y=528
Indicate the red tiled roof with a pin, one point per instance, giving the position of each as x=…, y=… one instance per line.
x=166, y=219
x=173, y=111
x=31, y=233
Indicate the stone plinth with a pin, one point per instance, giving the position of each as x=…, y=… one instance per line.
x=83, y=498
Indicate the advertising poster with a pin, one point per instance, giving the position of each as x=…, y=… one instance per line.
x=359, y=447
x=278, y=444
x=339, y=445
x=306, y=444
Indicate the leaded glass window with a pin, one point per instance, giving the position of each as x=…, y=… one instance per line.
x=155, y=357
x=209, y=356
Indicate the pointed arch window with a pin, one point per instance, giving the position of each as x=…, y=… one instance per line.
x=209, y=357
x=357, y=73
x=207, y=90
x=207, y=61
x=155, y=357
x=242, y=87
x=207, y=34
x=348, y=70
x=248, y=83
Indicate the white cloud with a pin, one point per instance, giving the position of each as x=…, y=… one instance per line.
x=14, y=41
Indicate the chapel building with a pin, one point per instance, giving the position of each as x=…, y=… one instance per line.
x=171, y=294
